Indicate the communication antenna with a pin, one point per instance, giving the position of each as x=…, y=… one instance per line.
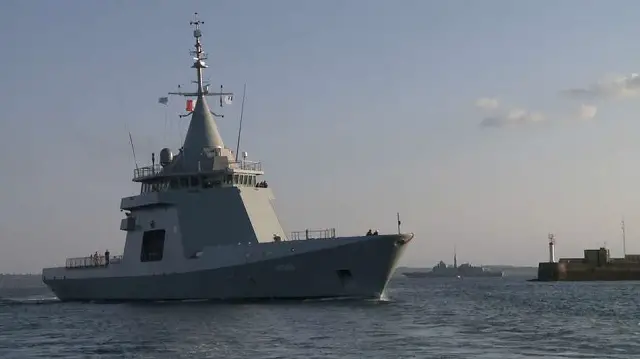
x=244, y=92
x=133, y=150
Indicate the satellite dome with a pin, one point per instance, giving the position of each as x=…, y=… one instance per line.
x=165, y=157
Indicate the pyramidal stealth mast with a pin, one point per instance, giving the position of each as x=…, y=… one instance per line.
x=203, y=227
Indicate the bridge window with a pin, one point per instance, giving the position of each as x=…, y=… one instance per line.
x=158, y=186
x=195, y=181
x=152, y=245
x=184, y=182
x=173, y=183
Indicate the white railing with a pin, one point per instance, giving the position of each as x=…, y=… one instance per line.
x=150, y=171
x=313, y=234
x=91, y=261
x=247, y=165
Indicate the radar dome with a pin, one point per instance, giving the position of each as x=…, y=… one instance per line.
x=165, y=157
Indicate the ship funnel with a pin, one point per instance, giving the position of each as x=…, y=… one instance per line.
x=552, y=243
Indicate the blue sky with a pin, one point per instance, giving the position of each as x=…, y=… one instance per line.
x=485, y=124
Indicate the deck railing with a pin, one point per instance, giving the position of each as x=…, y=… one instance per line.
x=150, y=171
x=147, y=171
x=247, y=165
x=313, y=234
x=92, y=261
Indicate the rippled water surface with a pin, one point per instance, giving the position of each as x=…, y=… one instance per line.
x=423, y=318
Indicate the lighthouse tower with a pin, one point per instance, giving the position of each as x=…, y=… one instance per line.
x=552, y=244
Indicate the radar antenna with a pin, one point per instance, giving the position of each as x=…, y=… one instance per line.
x=199, y=57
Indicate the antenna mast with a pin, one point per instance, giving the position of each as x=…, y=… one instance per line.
x=244, y=92
x=624, y=239
x=455, y=256
x=199, y=56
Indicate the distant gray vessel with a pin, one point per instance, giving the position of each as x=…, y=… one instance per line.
x=441, y=270
x=204, y=227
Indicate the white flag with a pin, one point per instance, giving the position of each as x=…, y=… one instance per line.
x=228, y=99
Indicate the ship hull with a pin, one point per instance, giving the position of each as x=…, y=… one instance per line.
x=360, y=269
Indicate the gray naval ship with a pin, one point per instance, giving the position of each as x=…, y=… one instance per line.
x=204, y=227
x=441, y=270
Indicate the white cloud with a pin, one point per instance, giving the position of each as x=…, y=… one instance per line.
x=487, y=103
x=506, y=117
x=497, y=115
x=513, y=118
x=616, y=87
x=587, y=112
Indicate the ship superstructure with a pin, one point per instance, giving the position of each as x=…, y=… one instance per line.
x=204, y=227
